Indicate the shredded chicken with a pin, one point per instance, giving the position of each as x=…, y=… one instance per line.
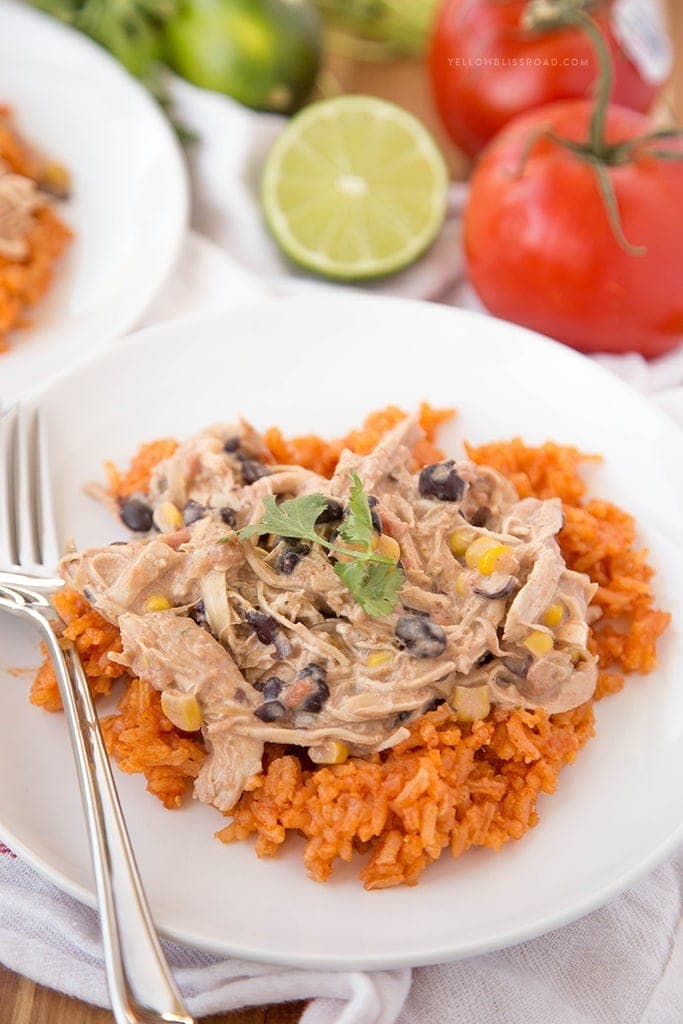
x=19, y=199
x=273, y=646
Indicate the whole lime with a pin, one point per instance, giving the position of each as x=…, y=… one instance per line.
x=264, y=53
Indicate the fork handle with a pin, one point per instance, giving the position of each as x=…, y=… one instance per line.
x=140, y=983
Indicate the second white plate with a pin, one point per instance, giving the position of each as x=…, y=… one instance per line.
x=130, y=198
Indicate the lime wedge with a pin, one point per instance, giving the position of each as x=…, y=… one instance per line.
x=354, y=188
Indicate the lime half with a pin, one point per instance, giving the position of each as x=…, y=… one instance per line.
x=354, y=188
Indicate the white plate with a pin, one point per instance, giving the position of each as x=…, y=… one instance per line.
x=322, y=364
x=129, y=205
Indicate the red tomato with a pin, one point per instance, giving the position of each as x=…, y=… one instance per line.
x=475, y=100
x=540, y=248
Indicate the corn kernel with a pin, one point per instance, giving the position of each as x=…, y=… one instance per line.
x=539, y=643
x=554, y=615
x=182, y=710
x=488, y=562
x=157, y=603
x=329, y=752
x=459, y=541
x=461, y=585
x=476, y=549
x=470, y=703
x=55, y=179
x=387, y=547
x=167, y=517
x=377, y=658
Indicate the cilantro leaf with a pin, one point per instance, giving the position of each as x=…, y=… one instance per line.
x=293, y=518
x=374, y=580
x=356, y=527
x=375, y=585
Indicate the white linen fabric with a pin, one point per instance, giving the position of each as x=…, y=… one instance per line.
x=622, y=964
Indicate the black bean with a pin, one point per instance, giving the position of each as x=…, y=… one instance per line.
x=433, y=704
x=271, y=711
x=317, y=672
x=88, y=595
x=253, y=470
x=272, y=688
x=198, y=614
x=137, y=515
x=421, y=637
x=231, y=445
x=486, y=657
x=495, y=586
x=480, y=516
x=315, y=700
x=193, y=511
x=518, y=664
x=402, y=717
x=374, y=514
x=287, y=560
x=441, y=481
x=228, y=515
x=263, y=625
x=332, y=513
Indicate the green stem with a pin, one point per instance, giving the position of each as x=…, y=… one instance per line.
x=547, y=15
x=612, y=207
x=337, y=549
x=605, y=83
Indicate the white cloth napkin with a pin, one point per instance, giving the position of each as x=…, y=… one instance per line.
x=621, y=965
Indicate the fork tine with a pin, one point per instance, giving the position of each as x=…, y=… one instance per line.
x=25, y=503
x=8, y=547
x=50, y=550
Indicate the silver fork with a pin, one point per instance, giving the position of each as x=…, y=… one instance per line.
x=140, y=983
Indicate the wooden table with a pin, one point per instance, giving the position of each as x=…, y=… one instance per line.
x=22, y=1002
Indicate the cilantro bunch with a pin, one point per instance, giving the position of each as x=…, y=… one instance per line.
x=374, y=580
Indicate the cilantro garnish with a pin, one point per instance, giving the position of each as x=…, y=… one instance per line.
x=374, y=580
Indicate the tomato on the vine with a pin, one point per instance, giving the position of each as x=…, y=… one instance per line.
x=542, y=249
x=486, y=69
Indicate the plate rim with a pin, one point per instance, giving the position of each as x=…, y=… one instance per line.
x=543, y=922
x=542, y=925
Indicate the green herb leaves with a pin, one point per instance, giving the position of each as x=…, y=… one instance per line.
x=295, y=518
x=374, y=580
x=356, y=527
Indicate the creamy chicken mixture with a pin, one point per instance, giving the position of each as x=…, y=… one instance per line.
x=22, y=196
x=19, y=200
x=259, y=640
